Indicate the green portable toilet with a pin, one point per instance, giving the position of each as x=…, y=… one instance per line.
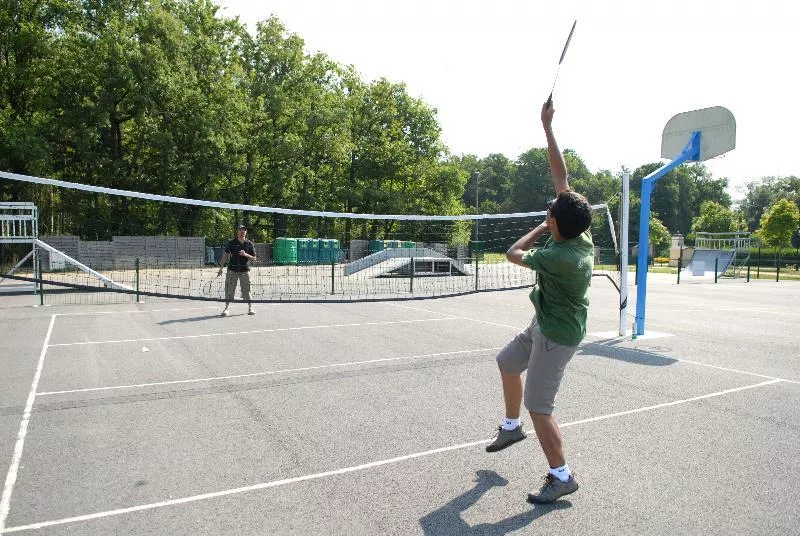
x=302, y=250
x=291, y=251
x=313, y=251
x=327, y=253
x=284, y=251
x=332, y=251
x=375, y=246
x=322, y=250
x=409, y=244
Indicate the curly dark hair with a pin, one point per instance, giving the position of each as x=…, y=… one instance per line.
x=572, y=212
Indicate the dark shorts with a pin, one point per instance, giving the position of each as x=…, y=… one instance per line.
x=545, y=362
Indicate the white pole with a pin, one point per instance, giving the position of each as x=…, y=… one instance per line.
x=623, y=254
x=37, y=275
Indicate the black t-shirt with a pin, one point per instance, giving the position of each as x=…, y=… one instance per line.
x=236, y=262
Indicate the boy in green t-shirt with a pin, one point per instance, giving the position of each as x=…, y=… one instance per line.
x=561, y=300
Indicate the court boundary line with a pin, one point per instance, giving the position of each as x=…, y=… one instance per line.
x=446, y=316
x=606, y=342
x=140, y=311
x=351, y=469
x=19, y=445
x=250, y=332
x=454, y=317
x=264, y=373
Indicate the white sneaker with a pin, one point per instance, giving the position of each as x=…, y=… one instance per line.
x=251, y=312
x=224, y=313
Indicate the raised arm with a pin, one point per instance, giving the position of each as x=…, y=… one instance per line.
x=521, y=246
x=558, y=168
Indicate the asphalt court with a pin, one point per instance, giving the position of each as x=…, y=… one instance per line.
x=371, y=418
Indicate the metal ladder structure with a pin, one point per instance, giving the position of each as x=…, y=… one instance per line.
x=739, y=242
x=19, y=224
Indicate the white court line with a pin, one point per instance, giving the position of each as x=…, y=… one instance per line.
x=137, y=311
x=265, y=373
x=420, y=309
x=273, y=330
x=615, y=339
x=680, y=360
x=453, y=317
x=11, y=477
x=667, y=404
x=770, y=310
x=740, y=309
x=735, y=370
x=316, y=476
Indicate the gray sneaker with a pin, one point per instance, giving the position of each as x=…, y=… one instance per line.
x=552, y=489
x=505, y=438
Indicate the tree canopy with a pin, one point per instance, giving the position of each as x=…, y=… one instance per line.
x=778, y=223
x=170, y=97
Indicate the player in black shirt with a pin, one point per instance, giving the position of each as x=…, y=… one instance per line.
x=238, y=252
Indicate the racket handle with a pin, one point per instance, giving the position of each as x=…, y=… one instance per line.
x=549, y=102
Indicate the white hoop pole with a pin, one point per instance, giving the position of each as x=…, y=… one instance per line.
x=623, y=254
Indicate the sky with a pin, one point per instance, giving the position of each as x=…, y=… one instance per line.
x=487, y=66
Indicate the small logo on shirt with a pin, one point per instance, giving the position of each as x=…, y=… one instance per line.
x=587, y=272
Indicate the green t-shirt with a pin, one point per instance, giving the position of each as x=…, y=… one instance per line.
x=561, y=295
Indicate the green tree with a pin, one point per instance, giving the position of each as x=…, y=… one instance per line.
x=156, y=109
x=778, y=223
x=28, y=44
x=660, y=236
x=531, y=184
x=396, y=159
x=494, y=179
x=600, y=187
x=759, y=194
x=714, y=218
x=677, y=196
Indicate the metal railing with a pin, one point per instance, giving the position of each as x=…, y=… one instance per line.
x=18, y=222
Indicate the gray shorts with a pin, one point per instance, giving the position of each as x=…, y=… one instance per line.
x=545, y=361
x=231, y=278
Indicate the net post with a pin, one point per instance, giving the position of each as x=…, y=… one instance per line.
x=476, y=272
x=623, y=251
x=748, y=271
x=137, y=279
x=37, y=268
x=716, y=269
x=333, y=278
x=680, y=263
x=778, y=266
x=411, y=279
x=41, y=279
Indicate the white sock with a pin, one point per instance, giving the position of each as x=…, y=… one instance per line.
x=510, y=424
x=562, y=473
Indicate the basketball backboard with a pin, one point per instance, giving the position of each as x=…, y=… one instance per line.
x=716, y=125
